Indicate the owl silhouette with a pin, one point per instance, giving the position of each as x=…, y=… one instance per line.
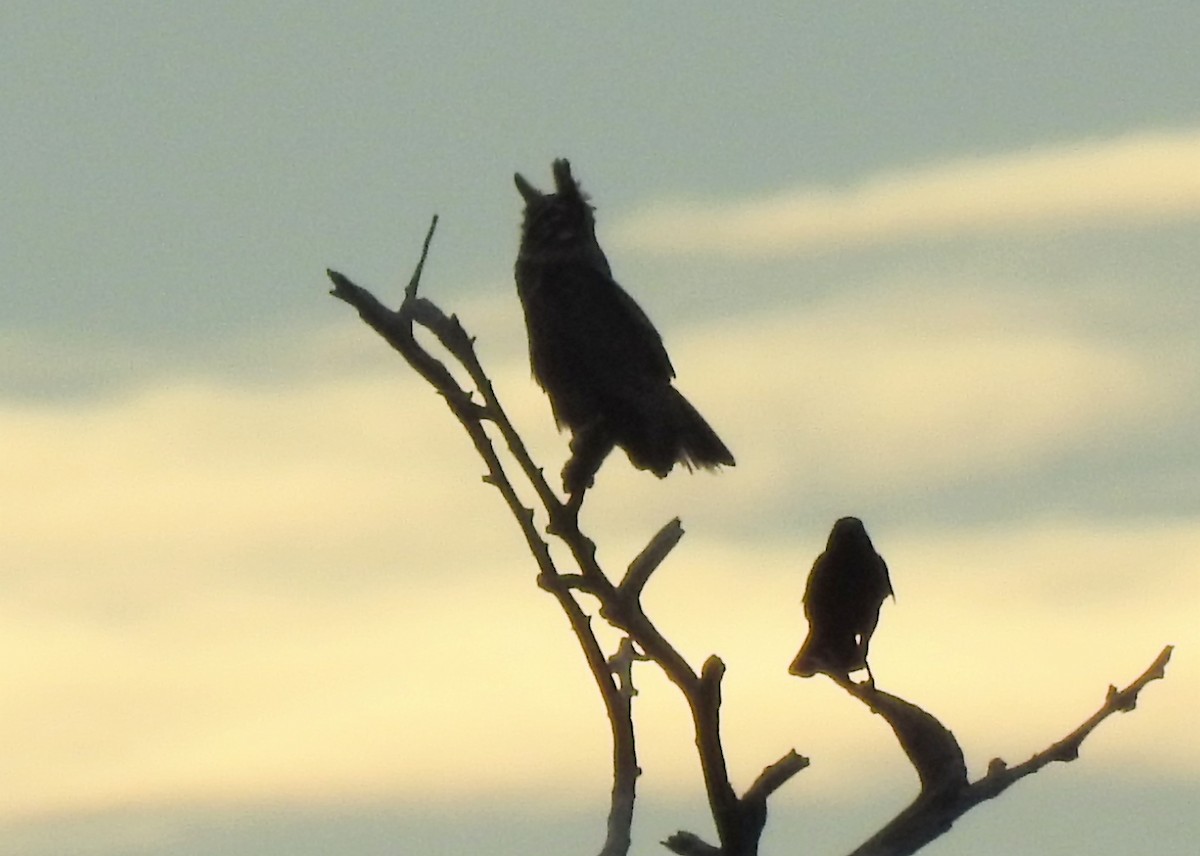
x=593, y=350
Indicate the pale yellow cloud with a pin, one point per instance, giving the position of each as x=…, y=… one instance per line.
x=1002, y=627
x=236, y=696
x=907, y=387
x=1144, y=177
x=192, y=473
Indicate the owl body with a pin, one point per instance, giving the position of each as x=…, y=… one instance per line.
x=593, y=350
x=845, y=590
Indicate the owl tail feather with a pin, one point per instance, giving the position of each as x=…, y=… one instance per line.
x=664, y=430
x=696, y=443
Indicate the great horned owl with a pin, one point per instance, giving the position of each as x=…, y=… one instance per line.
x=594, y=351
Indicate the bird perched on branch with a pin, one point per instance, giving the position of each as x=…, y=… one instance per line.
x=846, y=587
x=594, y=351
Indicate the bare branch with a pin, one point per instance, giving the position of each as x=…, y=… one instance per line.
x=999, y=776
x=750, y=815
x=397, y=328
x=706, y=709
x=410, y=291
x=690, y=844
x=647, y=561
x=929, y=745
x=739, y=822
x=775, y=776
x=945, y=792
x=622, y=662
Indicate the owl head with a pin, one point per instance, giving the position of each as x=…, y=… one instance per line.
x=559, y=221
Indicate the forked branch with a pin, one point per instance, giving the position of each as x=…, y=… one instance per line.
x=397, y=328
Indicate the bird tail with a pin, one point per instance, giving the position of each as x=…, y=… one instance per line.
x=819, y=654
x=696, y=443
x=663, y=429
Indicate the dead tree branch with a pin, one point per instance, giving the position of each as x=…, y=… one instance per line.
x=397, y=328
x=946, y=794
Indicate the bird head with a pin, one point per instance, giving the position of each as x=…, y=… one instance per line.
x=848, y=530
x=559, y=221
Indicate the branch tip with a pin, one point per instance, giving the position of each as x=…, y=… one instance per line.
x=775, y=776
x=647, y=561
x=411, y=290
x=690, y=844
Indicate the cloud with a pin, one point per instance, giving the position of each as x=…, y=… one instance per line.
x=223, y=695
x=1145, y=177
x=910, y=386
x=1059, y=599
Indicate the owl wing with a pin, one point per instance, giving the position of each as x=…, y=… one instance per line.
x=586, y=333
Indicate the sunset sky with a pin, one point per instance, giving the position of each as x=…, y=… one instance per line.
x=932, y=266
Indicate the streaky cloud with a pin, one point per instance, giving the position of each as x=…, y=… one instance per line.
x=1142, y=178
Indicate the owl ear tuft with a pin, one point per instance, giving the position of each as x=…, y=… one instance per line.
x=564, y=182
x=528, y=191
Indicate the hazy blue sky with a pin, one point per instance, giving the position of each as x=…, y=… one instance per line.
x=931, y=265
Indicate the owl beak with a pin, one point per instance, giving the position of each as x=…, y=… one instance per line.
x=528, y=191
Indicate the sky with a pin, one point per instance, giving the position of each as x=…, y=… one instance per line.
x=929, y=265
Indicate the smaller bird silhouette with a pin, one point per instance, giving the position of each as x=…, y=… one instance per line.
x=846, y=587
